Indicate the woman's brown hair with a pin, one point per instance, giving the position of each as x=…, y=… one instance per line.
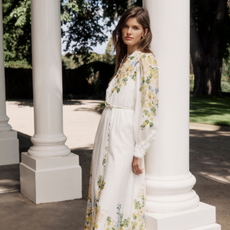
x=120, y=47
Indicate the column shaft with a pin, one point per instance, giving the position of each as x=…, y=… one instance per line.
x=171, y=203
x=47, y=80
x=8, y=138
x=49, y=172
x=3, y=118
x=169, y=182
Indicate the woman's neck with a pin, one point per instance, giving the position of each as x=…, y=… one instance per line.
x=131, y=49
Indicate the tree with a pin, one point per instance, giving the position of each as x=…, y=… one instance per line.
x=109, y=52
x=84, y=30
x=17, y=31
x=209, y=42
x=112, y=10
x=80, y=16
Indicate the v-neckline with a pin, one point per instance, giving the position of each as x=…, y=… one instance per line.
x=111, y=83
x=122, y=62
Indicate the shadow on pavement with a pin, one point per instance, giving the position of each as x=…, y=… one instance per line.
x=209, y=162
x=85, y=161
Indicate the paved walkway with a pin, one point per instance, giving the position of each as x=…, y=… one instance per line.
x=209, y=162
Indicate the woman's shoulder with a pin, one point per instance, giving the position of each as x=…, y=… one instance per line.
x=146, y=58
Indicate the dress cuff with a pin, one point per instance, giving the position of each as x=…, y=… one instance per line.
x=139, y=152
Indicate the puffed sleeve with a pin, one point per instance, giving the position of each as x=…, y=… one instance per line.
x=146, y=104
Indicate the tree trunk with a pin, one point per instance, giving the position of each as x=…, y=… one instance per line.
x=204, y=49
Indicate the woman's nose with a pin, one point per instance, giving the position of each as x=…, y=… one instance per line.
x=129, y=30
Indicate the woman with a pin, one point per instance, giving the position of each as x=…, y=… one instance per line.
x=128, y=125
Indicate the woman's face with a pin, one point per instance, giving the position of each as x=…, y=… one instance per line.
x=132, y=32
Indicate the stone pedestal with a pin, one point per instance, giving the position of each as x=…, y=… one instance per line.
x=189, y=220
x=9, y=148
x=46, y=180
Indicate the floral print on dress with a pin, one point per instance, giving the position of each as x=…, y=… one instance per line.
x=136, y=88
x=149, y=89
x=93, y=212
x=146, y=105
x=125, y=72
x=134, y=222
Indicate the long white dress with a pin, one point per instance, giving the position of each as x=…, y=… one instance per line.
x=128, y=125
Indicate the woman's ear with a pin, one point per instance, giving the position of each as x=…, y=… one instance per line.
x=146, y=31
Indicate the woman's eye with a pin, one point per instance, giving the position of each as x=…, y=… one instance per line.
x=135, y=28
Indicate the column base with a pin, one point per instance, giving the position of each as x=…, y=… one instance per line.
x=50, y=179
x=201, y=218
x=9, y=148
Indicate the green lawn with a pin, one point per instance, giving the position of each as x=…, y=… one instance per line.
x=206, y=109
x=211, y=110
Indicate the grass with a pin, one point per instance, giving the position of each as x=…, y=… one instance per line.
x=210, y=110
x=206, y=109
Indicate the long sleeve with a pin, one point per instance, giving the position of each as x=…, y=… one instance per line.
x=146, y=104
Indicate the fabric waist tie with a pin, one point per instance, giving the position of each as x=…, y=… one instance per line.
x=108, y=104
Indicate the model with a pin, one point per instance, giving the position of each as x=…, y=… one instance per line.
x=128, y=125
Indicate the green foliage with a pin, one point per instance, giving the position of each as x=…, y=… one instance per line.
x=17, y=32
x=109, y=52
x=19, y=64
x=225, y=87
x=69, y=63
x=81, y=18
x=225, y=76
x=84, y=30
x=112, y=10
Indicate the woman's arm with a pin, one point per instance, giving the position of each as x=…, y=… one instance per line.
x=146, y=107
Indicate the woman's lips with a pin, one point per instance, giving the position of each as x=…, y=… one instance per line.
x=128, y=38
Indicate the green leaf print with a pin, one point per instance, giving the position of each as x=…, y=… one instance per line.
x=118, y=90
x=153, y=109
x=132, y=57
x=150, y=124
x=133, y=76
x=137, y=205
x=135, y=222
x=126, y=222
x=108, y=220
x=100, y=182
x=148, y=81
x=125, y=80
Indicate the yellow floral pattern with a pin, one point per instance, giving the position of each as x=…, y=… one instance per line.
x=149, y=89
x=93, y=213
x=125, y=73
x=134, y=222
x=137, y=82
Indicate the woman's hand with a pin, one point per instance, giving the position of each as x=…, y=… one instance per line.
x=136, y=166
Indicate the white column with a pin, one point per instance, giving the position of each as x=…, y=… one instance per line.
x=49, y=171
x=171, y=202
x=9, y=150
